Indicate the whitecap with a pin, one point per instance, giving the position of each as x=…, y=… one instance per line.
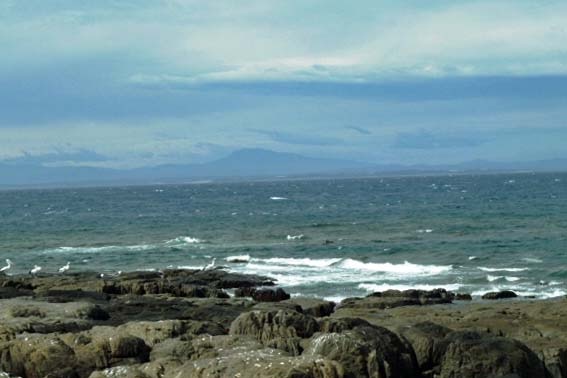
x=317, y=263
x=238, y=259
x=190, y=267
x=426, y=230
x=522, y=292
x=275, y=198
x=295, y=237
x=472, y=258
x=107, y=248
x=406, y=268
x=335, y=298
x=184, y=240
x=490, y=278
x=512, y=279
x=421, y=286
x=532, y=260
x=502, y=269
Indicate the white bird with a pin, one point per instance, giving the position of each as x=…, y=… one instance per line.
x=211, y=265
x=5, y=268
x=35, y=269
x=65, y=268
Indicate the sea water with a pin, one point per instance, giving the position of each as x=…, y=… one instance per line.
x=331, y=238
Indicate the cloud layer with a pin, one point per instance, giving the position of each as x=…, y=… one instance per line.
x=174, y=81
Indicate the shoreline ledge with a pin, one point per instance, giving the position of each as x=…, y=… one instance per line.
x=183, y=323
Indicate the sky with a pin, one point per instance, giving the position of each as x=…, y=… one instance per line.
x=129, y=83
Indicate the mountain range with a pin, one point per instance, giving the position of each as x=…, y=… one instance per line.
x=241, y=164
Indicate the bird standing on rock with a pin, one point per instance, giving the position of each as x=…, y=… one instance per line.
x=65, y=268
x=35, y=270
x=211, y=265
x=7, y=267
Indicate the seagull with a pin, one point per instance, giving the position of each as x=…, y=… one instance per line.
x=211, y=265
x=5, y=268
x=35, y=269
x=65, y=268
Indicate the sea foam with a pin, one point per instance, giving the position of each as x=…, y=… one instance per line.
x=406, y=268
x=418, y=286
x=238, y=259
x=484, y=269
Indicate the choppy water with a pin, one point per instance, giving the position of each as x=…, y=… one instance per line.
x=328, y=238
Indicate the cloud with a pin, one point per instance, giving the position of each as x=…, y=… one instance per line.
x=184, y=42
x=299, y=139
x=359, y=130
x=424, y=139
x=58, y=156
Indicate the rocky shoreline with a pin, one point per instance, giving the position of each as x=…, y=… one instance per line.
x=183, y=323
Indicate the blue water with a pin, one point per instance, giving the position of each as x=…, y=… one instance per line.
x=330, y=238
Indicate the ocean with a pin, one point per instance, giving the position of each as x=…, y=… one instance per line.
x=330, y=238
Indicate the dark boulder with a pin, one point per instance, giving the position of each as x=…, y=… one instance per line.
x=428, y=342
x=500, y=295
x=366, y=351
x=280, y=329
x=471, y=354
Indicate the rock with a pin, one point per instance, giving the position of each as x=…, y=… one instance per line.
x=314, y=307
x=463, y=297
x=93, y=312
x=38, y=356
x=280, y=329
x=26, y=312
x=262, y=295
x=103, y=347
x=500, y=295
x=153, y=333
x=177, y=348
x=12, y=292
x=366, y=351
x=337, y=325
x=244, y=292
x=397, y=298
x=555, y=360
x=269, y=295
x=471, y=354
x=235, y=356
x=427, y=340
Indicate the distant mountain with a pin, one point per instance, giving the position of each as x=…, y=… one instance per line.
x=242, y=164
x=260, y=163
x=246, y=163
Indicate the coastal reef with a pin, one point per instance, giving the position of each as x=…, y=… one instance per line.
x=216, y=324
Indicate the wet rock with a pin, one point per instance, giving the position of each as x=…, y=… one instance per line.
x=244, y=358
x=103, y=347
x=463, y=297
x=269, y=295
x=555, y=360
x=38, y=356
x=12, y=292
x=428, y=342
x=366, y=351
x=153, y=333
x=93, y=312
x=314, y=307
x=396, y=298
x=337, y=325
x=500, y=295
x=262, y=295
x=471, y=354
x=280, y=329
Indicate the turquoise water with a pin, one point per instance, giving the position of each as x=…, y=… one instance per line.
x=328, y=238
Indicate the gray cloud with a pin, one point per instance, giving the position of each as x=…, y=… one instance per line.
x=299, y=139
x=424, y=139
x=57, y=156
x=359, y=130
